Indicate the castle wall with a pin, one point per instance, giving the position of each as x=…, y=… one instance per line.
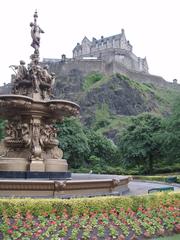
x=96, y=65
x=84, y=66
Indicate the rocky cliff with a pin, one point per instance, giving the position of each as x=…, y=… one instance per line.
x=106, y=101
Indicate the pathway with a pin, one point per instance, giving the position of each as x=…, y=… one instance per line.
x=136, y=187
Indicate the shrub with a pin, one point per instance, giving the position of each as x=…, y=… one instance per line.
x=81, y=205
x=167, y=169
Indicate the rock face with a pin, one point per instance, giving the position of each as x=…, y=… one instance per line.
x=69, y=86
x=119, y=96
x=118, y=93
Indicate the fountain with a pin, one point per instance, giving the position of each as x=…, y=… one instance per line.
x=31, y=162
x=30, y=147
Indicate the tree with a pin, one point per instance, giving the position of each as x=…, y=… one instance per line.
x=101, y=147
x=73, y=142
x=139, y=144
x=171, y=134
x=83, y=147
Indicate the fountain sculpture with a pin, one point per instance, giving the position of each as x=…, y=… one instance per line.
x=30, y=146
x=31, y=161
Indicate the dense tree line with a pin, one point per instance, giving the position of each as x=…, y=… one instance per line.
x=139, y=146
x=150, y=144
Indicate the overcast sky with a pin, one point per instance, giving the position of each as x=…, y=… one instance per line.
x=151, y=26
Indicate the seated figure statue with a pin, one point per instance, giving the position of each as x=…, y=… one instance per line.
x=47, y=81
x=21, y=75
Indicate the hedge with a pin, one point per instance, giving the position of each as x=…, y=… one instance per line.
x=80, y=205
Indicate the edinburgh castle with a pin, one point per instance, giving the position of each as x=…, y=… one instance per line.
x=115, y=48
x=108, y=55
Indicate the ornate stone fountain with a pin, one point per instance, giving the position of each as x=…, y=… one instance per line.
x=31, y=162
x=30, y=147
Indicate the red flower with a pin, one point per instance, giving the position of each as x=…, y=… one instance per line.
x=177, y=228
x=39, y=231
x=10, y=231
x=53, y=222
x=15, y=227
x=171, y=208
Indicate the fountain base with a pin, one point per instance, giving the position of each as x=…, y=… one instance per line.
x=34, y=175
x=22, y=164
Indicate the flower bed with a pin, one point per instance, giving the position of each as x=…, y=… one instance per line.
x=155, y=215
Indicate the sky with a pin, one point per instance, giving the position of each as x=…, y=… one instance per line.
x=151, y=26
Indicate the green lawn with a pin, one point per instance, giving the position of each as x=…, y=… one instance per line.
x=175, y=237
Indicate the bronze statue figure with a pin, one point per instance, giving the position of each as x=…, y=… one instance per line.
x=35, y=34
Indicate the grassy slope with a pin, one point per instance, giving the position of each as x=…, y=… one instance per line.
x=164, y=98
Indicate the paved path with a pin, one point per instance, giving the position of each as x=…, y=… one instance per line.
x=140, y=187
x=136, y=187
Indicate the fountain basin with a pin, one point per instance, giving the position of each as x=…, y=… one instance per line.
x=63, y=189
x=12, y=105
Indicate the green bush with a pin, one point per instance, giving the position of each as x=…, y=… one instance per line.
x=114, y=170
x=81, y=205
x=167, y=169
x=80, y=170
x=132, y=172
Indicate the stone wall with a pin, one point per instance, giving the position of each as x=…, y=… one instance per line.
x=85, y=66
x=107, y=68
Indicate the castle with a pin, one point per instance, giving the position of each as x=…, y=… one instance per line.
x=114, y=48
x=109, y=56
